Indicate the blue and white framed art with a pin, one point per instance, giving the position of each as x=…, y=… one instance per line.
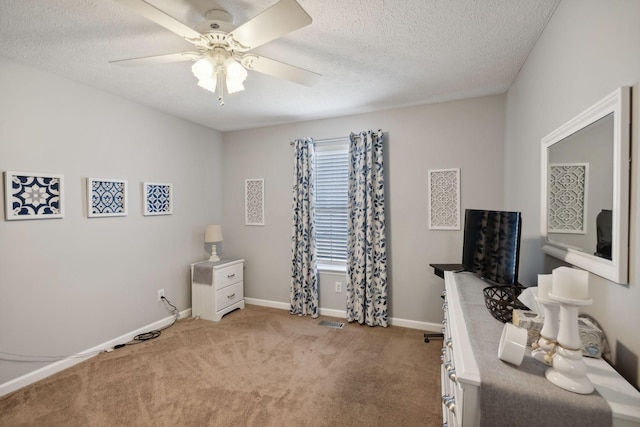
x=254, y=201
x=158, y=198
x=106, y=197
x=33, y=195
x=444, y=199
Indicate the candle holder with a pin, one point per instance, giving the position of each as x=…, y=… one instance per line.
x=544, y=348
x=569, y=370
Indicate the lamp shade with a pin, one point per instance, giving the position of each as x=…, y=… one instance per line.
x=212, y=234
x=204, y=68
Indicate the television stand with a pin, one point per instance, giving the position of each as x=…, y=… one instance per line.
x=428, y=336
x=438, y=270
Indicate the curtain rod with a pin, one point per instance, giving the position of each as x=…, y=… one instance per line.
x=338, y=138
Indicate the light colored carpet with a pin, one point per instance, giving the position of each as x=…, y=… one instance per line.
x=256, y=367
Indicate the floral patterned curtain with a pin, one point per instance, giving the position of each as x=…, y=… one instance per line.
x=366, y=242
x=304, y=275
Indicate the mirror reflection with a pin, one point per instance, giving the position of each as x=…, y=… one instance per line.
x=580, y=189
x=584, y=184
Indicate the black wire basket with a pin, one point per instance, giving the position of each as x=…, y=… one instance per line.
x=502, y=300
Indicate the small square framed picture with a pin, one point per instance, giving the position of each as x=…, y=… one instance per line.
x=157, y=198
x=33, y=195
x=106, y=197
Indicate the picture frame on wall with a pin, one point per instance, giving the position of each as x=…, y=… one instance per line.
x=106, y=197
x=30, y=195
x=444, y=199
x=157, y=198
x=568, y=183
x=254, y=201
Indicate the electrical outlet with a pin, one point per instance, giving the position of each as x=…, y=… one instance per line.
x=160, y=294
x=338, y=287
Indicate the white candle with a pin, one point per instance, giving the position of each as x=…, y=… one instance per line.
x=544, y=285
x=570, y=283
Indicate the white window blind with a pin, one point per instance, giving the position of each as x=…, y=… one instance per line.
x=331, y=199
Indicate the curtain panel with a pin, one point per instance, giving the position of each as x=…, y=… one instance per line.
x=304, y=274
x=366, y=244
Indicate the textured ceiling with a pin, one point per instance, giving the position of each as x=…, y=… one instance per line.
x=372, y=54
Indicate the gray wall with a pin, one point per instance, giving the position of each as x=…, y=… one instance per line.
x=589, y=48
x=69, y=284
x=467, y=134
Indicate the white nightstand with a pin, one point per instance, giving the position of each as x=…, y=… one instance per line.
x=217, y=288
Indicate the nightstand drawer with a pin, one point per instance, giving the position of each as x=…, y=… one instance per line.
x=228, y=275
x=229, y=295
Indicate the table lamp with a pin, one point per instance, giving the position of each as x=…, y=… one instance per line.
x=213, y=234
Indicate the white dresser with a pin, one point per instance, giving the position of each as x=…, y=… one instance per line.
x=461, y=376
x=217, y=288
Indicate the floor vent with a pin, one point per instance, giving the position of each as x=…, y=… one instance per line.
x=329, y=324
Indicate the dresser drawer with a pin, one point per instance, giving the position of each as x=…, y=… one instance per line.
x=228, y=275
x=229, y=295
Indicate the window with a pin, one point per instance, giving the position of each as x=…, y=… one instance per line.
x=331, y=200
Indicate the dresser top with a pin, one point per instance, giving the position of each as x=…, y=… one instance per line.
x=222, y=262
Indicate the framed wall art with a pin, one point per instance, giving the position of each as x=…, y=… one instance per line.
x=254, y=201
x=106, y=197
x=157, y=198
x=444, y=199
x=567, y=198
x=33, y=195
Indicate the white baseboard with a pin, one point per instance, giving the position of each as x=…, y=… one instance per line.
x=414, y=324
x=68, y=362
x=285, y=306
x=267, y=303
x=403, y=323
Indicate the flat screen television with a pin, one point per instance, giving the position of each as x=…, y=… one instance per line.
x=491, y=246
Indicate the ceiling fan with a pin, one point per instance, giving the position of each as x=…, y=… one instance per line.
x=223, y=53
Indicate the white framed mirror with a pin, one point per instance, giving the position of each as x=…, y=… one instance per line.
x=585, y=189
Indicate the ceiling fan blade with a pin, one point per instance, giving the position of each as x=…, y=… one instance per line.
x=159, y=59
x=278, y=20
x=280, y=69
x=154, y=14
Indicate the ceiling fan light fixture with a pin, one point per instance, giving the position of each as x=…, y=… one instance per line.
x=236, y=75
x=208, y=84
x=235, y=71
x=204, y=68
x=234, y=86
x=218, y=43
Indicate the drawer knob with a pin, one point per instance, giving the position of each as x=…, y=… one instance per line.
x=230, y=276
x=233, y=295
x=449, y=402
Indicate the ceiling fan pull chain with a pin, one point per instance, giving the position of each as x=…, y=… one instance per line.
x=221, y=85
